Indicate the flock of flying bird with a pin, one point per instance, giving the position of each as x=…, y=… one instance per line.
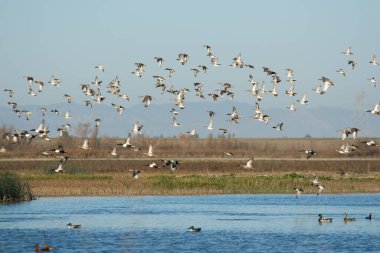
x=95, y=95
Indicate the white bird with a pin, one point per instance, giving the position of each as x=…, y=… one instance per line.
x=100, y=67
x=249, y=164
x=137, y=128
x=150, y=151
x=348, y=51
x=60, y=168
x=372, y=81
x=374, y=61
x=67, y=115
x=298, y=191
x=85, y=145
x=210, y=125
x=127, y=143
x=309, y=152
x=291, y=107
x=153, y=165
x=371, y=143
x=114, y=152
x=315, y=181
x=54, y=81
x=320, y=189
x=303, y=100
x=174, y=122
x=375, y=110
x=193, y=132
x=341, y=71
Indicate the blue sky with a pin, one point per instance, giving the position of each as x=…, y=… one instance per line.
x=68, y=38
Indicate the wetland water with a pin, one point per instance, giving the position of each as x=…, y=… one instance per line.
x=230, y=223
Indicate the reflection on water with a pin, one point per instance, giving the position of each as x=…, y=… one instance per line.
x=243, y=223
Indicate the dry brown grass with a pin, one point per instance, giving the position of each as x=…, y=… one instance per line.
x=204, y=168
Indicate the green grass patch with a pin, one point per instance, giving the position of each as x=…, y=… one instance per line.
x=14, y=188
x=228, y=183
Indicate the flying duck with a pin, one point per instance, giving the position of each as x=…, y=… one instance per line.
x=59, y=169
x=153, y=165
x=193, y=132
x=309, y=152
x=348, y=51
x=150, y=151
x=371, y=143
x=10, y=92
x=376, y=109
x=175, y=122
x=85, y=145
x=159, y=61
x=320, y=188
x=341, y=71
x=172, y=163
x=279, y=126
x=183, y=58
x=135, y=173
x=100, y=67
x=374, y=61
x=248, y=165
x=303, y=100
x=372, y=80
x=315, y=181
x=137, y=128
x=291, y=107
x=114, y=152
x=352, y=63
x=298, y=191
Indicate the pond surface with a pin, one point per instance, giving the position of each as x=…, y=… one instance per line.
x=230, y=223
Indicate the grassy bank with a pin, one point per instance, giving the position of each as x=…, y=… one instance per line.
x=86, y=177
x=167, y=184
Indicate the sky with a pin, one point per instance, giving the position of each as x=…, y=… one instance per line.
x=69, y=38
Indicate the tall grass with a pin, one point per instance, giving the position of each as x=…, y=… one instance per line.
x=13, y=188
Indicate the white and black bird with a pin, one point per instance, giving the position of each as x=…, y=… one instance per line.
x=135, y=173
x=172, y=163
x=100, y=67
x=159, y=61
x=352, y=63
x=248, y=164
x=85, y=145
x=309, y=152
x=341, y=71
x=279, y=127
x=373, y=61
x=375, y=110
x=348, y=51
x=298, y=191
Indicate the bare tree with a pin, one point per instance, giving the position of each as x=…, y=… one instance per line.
x=82, y=130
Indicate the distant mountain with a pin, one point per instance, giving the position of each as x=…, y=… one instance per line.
x=315, y=122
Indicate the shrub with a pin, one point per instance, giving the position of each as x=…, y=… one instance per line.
x=13, y=188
